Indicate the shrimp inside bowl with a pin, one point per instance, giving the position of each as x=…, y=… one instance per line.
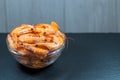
x=36, y=46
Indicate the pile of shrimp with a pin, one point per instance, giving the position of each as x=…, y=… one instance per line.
x=37, y=39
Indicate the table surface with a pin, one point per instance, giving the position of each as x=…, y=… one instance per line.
x=87, y=57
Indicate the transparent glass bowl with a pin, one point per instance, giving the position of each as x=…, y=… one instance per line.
x=36, y=61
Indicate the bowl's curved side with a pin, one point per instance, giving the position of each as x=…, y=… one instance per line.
x=33, y=61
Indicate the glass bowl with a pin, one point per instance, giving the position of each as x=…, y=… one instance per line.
x=36, y=61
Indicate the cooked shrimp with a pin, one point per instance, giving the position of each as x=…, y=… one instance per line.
x=11, y=43
x=41, y=26
x=26, y=30
x=40, y=38
x=31, y=38
x=44, y=28
x=23, y=51
x=22, y=29
x=50, y=46
x=54, y=26
x=36, y=49
x=28, y=38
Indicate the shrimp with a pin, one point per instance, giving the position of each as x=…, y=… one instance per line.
x=14, y=34
x=41, y=28
x=36, y=49
x=39, y=50
x=26, y=30
x=57, y=39
x=44, y=28
x=56, y=43
x=11, y=42
x=31, y=38
x=54, y=26
x=62, y=35
x=23, y=51
x=42, y=25
x=28, y=38
x=50, y=46
x=22, y=29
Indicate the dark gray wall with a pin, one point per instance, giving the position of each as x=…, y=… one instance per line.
x=71, y=15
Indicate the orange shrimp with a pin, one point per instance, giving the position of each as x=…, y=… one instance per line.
x=57, y=39
x=41, y=28
x=31, y=38
x=36, y=49
x=62, y=35
x=23, y=51
x=28, y=38
x=54, y=26
x=50, y=46
x=21, y=30
x=11, y=42
x=26, y=30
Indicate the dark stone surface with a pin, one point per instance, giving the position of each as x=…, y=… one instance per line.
x=87, y=57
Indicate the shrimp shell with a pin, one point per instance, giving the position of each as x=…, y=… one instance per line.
x=26, y=30
x=11, y=42
x=41, y=28
x=23, y=51
x=36, y=49
x=50, y=46
x=28, y=38
x=54, y=26
x=22, y=29
x=31, y=38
